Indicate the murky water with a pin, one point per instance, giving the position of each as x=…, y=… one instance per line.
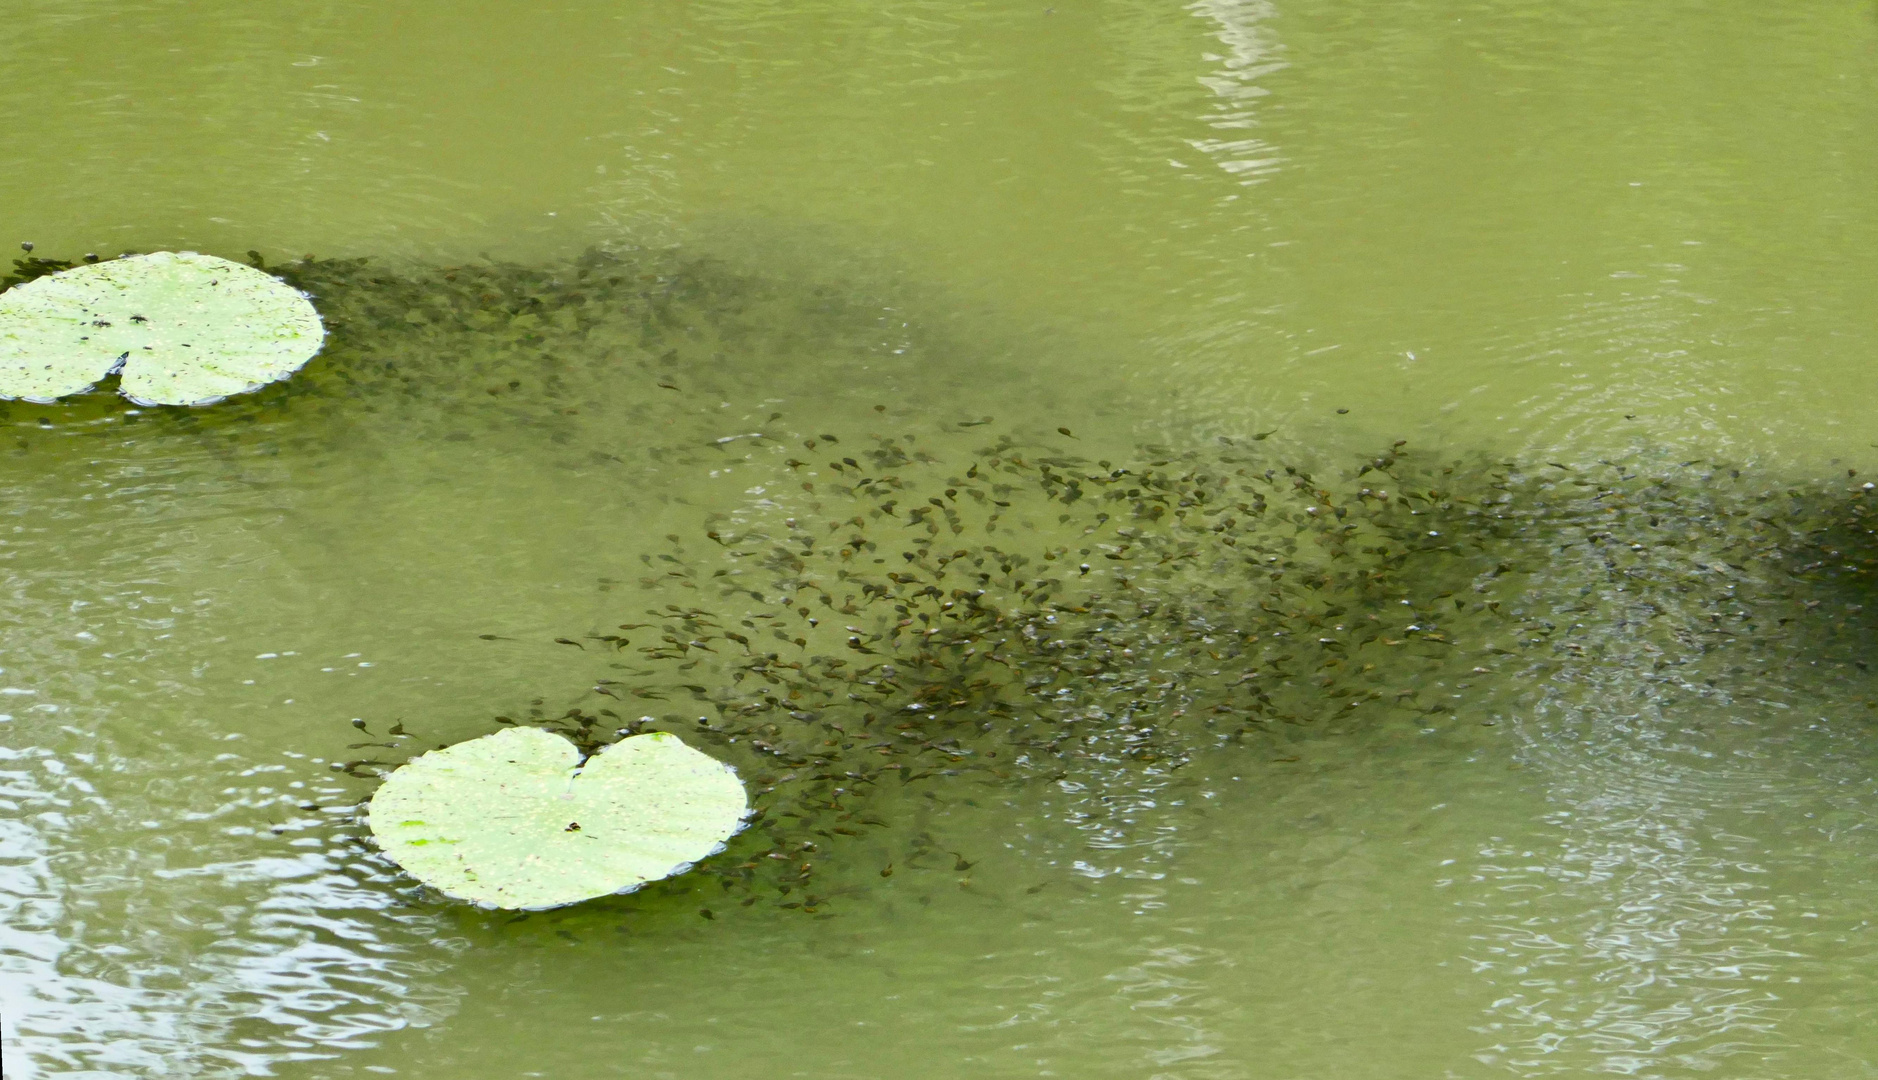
x=1622, y=822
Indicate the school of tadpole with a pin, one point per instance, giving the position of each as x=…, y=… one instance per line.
x=1029, y=616
x=913, y=619
x=916, y=619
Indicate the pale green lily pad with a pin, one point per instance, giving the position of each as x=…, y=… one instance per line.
x=516, y=820
x=182, y=328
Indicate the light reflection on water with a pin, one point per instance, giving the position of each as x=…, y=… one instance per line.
x=122, y=962
x=145, y=934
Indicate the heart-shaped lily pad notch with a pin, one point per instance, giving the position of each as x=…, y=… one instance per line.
x=517, y=820
x=182, y=328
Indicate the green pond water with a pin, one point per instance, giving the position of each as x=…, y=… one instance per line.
x=1562, y=761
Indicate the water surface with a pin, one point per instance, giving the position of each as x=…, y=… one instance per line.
x=1606, y=231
